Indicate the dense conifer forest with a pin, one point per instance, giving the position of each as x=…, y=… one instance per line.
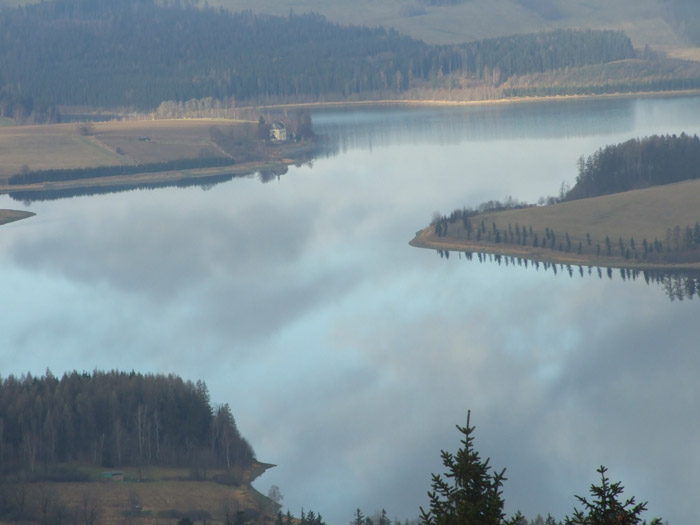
x=139, y=53
x=112, y=419
x=637, y=163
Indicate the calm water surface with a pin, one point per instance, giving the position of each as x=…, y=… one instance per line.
x=346, y=355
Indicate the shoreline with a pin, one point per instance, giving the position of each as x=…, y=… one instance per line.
x=426, y=239
x=172, y=176
x=8, y=216
x=175, y=176
x=479, y=102
x=408, y=102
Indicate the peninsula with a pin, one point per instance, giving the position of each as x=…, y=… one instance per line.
x=105, y=156
x=653, y=227
x=7, y=216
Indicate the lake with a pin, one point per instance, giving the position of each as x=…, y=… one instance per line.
x=348, y=356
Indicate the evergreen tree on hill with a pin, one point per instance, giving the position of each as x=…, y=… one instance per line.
x=469, y=494
x=606, y=508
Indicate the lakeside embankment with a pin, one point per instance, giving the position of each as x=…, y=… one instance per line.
x=475, y=102
x=642, y=229
x=7, y=216
x=426, y=239
x=174, y=176
x=167, y=151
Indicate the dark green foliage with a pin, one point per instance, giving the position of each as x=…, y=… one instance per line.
x=311, y=518
x=22, y=108
x=359, y=517
x=629, y=85
x=638, y=163
x=113, y=419
x=140, y=53
x=504, y=57
x=469, y=494
x=606, y=507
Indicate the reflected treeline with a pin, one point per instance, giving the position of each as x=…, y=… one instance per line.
x=206, y=182
x=48, y=195
x=389, y=125
x=680, y=284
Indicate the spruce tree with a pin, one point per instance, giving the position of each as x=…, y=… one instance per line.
x=606, y=508
x=469, y=494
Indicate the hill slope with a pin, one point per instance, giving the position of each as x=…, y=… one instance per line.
x=647, y=22
x=635, y=218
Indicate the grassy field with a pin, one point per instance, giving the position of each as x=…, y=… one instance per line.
x=162, y=497
x=49, y=146
x=113, y=143
x=146, y=502
x=641, y=214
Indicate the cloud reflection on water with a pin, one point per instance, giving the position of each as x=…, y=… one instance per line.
x=348, y=356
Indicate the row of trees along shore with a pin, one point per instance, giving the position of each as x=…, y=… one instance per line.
x=678, y=285
x=634, y=164
x=139, y=53
x=681, y=244
x=111, y=419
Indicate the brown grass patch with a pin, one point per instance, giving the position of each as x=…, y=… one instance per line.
x=162, y=497
x=640, y=214
x=163, y=140
x=113, y=143
x=39, y=149
x=146, y=502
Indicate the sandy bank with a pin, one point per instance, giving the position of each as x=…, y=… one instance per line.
x=426, y=238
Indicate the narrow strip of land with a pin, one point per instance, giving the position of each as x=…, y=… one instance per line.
x=636, y=229
x=7, y=216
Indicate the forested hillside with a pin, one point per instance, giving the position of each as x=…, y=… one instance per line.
x=113, y=419
x=137, y=53
x=636, y=164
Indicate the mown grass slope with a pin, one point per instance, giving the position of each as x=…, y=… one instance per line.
x=163, y=496
x=634, y=215
x=61, y=146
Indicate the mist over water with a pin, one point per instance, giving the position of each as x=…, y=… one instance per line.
x=348, y=356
